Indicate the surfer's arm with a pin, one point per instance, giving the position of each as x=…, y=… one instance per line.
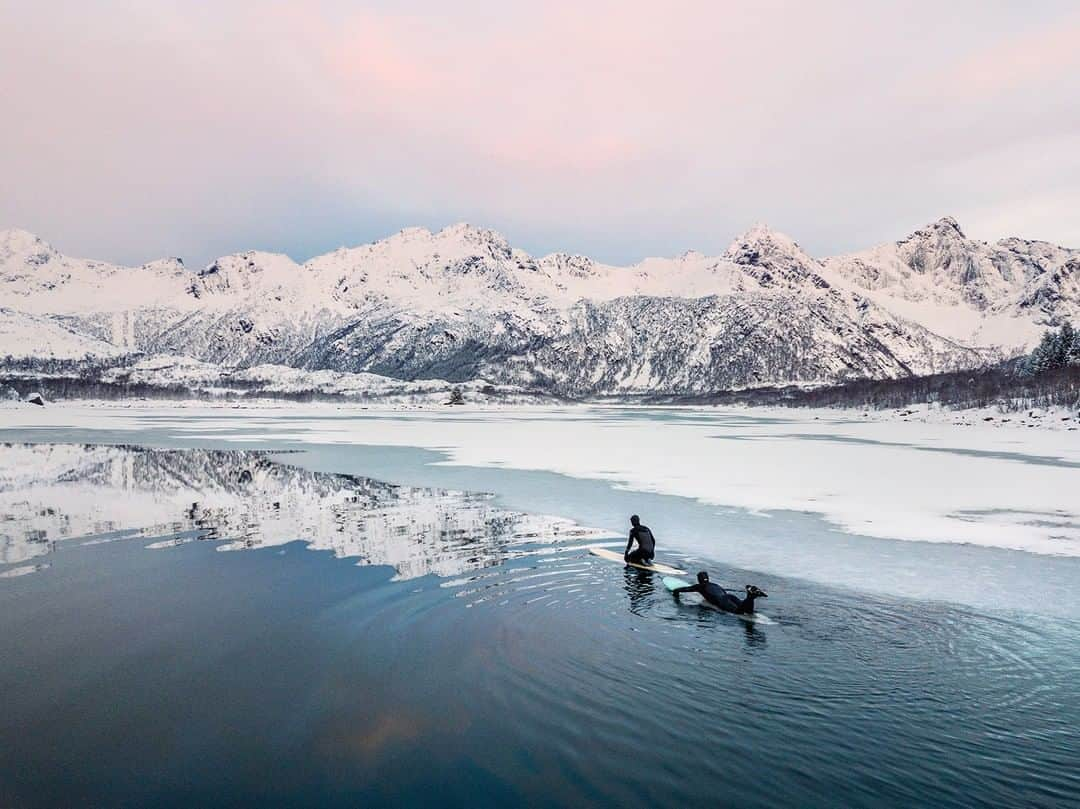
x=693, y=588
x=629, y=543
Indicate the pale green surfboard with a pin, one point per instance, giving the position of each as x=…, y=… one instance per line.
x=673, y=584
x=613, y=556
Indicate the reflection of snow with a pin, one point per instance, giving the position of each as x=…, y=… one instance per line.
x=13, y=572
x=51, y=492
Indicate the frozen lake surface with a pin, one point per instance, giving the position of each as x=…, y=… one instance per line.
x=164, y=605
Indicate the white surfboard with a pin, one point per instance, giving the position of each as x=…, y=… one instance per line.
x=613, y=556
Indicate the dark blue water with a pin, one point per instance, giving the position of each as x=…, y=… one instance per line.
x=524, y=672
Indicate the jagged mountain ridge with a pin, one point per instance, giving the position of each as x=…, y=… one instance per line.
x=462, y=303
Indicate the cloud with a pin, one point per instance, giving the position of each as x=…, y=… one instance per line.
x=1034, y=59
x=137, y=129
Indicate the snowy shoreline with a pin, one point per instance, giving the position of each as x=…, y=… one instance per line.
x=1051, y=418
x=1046, y=418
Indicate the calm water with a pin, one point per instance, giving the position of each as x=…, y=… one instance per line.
x=349, y=626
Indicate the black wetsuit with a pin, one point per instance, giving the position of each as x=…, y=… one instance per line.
x=646, y=549
x=718, y=597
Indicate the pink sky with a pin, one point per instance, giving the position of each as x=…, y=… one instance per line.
x=139, y=129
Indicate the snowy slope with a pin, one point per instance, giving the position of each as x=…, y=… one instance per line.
x=24, y=335
x=462, y=303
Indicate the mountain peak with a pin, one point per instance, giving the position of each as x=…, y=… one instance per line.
x=171, y=265
x=759, y=230
x=252, y=263
x=475, y=239
x=21, y=248
x=473, y=233
x=409, y=233
x=759, y=241
x=946, y=227
x=17, y=240
x=774, y=259
x=463, y=233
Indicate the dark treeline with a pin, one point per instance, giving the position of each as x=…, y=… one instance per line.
x=1001, y=386
x=73, y=387
x=55, y=388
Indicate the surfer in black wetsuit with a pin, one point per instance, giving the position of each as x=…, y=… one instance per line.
x=646, y=548
x=721, y=598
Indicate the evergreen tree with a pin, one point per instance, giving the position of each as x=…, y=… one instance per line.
x=1062, y=344
x=1070, y=340
x=1041, y=358
x=1056, y=350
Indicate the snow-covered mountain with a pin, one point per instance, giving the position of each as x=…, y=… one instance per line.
x=463, y=304
x=1004, y=293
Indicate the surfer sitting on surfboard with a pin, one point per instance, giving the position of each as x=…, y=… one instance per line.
x=646, y=549
x=721, y=598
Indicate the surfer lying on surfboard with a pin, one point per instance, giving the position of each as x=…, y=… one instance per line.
x=721, y=598
x=646, y=549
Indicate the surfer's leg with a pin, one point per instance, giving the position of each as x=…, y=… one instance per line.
x=638, y=557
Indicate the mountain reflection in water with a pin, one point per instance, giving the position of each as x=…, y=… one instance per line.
x=249, y=499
